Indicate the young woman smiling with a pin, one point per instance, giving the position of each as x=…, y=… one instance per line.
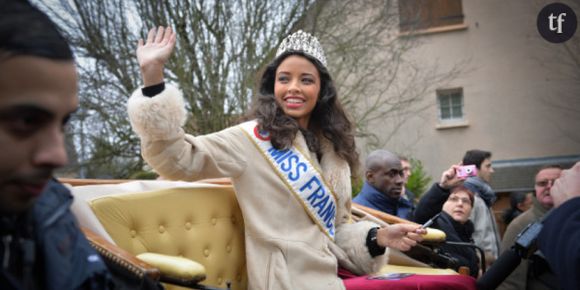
x=290, y=165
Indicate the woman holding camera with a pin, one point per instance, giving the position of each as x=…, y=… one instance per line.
x=454, y=203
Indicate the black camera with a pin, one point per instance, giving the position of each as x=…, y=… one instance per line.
x=525, y=244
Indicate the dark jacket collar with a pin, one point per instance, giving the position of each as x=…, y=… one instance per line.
x=465, y=231
x=371, y=197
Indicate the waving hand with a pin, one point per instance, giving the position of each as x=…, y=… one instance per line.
x=154, y=53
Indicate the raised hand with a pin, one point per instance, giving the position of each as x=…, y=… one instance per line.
x=154, y=53
x=567, y=186
x=400, y=236
x=449, y=178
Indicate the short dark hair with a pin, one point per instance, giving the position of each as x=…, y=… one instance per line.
x=25, y=30
x=517, y=198
x=512, y=212
x=475, y=157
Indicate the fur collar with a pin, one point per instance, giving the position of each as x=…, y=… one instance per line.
x=335, y=170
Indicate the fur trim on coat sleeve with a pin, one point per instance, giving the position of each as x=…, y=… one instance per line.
x=157, y=117
x=352, y=238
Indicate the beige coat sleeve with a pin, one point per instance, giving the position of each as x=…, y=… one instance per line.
x=173, y=154
x=351, y=239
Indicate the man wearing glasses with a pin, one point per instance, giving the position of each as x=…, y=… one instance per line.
x=544, y=180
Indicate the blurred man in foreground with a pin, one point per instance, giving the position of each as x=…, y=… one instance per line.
x=559, y=239
x=41, y=246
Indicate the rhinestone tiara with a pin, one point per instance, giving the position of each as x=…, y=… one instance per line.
x=303, y=42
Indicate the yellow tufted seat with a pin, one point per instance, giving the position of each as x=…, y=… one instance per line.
x=186, y=229
x=199, y=222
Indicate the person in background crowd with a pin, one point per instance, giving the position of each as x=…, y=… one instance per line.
x=519, y=203
x=455, y=202
x=486, y=234
x=384, y=185
x=521, y=277
x=407, y=170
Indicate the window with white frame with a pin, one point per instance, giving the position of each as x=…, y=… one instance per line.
x=450, y=103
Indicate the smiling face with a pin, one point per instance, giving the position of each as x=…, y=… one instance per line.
x=37, y=96
x=297, y=88
x=458, y=206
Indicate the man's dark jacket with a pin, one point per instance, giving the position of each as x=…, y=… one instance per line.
x=60, y=254
x=559, y=240
x=371, y=197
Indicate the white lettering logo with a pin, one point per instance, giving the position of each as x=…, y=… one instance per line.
x=557, y=23
x=559, y=20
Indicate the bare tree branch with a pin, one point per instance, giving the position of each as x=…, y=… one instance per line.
x=221, y=47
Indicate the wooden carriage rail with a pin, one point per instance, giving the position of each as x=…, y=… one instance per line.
x=390, y=219
x=120, y=258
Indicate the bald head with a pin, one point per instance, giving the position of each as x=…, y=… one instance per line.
x=385, y=173
x=379, y=158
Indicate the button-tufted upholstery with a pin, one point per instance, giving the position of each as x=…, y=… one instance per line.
x=198, y=221
x=201, y=223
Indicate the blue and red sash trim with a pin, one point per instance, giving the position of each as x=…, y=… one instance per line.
x=300, y=176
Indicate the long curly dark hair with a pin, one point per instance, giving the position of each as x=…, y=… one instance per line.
x=328, y=118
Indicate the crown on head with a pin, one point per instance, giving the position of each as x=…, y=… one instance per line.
x=303, y=42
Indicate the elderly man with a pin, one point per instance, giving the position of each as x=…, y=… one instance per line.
x=383, y=187
x=544, y=180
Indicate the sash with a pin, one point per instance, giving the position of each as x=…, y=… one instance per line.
x=302, y=179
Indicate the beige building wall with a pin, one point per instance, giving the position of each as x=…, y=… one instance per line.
x=521, y=99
